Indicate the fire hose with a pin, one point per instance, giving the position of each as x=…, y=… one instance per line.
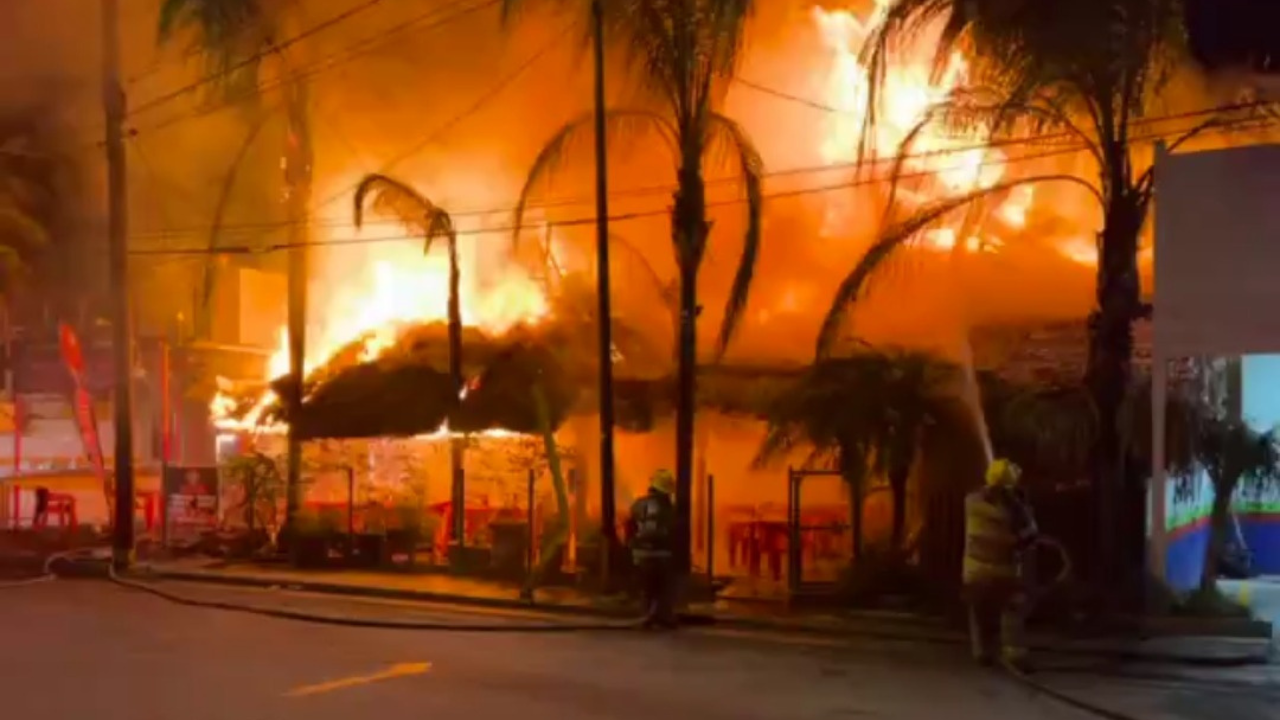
x=49, y=574
x=1014, y=673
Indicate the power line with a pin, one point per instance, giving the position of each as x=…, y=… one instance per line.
x=333, y=60
x=484, y=99
x=858, y=182
x=268, y=226
x=254, y=58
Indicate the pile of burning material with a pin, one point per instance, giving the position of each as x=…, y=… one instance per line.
x=407, y=391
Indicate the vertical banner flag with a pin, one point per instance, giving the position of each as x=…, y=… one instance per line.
x=82, y=404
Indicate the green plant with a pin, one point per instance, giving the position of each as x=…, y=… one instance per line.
x=1209, y=602
x=261, y=488
x=1235, y=457
x=866, y=413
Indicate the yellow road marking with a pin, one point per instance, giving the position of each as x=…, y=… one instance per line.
x=395, y=671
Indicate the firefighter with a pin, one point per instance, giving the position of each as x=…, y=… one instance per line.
x=1000, y=533
x=651, y=530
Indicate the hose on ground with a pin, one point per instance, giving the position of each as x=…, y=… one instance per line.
x=1064, y=698
x=1026, y=680
x=46, y=573
x=299, y=616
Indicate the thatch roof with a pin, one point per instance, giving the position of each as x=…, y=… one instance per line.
x=407, y=390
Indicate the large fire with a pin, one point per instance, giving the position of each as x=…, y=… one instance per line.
x=957, y=161
x=368, y=292
x=367, y=296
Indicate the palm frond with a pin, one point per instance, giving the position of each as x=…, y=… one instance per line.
x=899, y=234
x=397, y=199
x=568, y=140
x=20, y=232
x=728, y=137
x=229, y=34
x=871, y=406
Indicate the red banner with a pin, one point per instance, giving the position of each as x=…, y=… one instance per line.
x=82, y=405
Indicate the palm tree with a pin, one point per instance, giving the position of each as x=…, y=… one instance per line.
x=1235, y=457
x=235, y=36
x=868, y=412
x=392, y=197
x=1091, y=71
x=33, y=184
x=684, y=53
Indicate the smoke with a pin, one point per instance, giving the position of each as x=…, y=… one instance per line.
x=460, y=108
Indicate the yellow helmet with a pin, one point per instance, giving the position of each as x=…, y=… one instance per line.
x=663, y=481
x=1003, y=472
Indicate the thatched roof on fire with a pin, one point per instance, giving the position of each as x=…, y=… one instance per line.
x=407, y=390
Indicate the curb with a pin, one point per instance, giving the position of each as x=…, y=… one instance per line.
x=889, y=629
x=343, y=590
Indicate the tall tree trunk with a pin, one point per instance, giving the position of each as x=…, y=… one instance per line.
x=854, y=479
x=1218, y=520
x=608, y=501
x=298, y=161
x=690, y=233
x=898, y=478
x=1107, y=376
x=457, y=473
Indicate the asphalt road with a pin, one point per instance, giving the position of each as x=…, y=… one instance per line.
x=76, y=649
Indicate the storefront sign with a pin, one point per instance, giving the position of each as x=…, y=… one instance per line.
x=190, y=502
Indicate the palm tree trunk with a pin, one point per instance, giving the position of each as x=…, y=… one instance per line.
x=685, y=409
x=1217, y=538
x=458, y=486
x=298, y=159
x=1107, y=376
x=854, y=479
x=690, y=232
x=898, y=488
x=604, y=313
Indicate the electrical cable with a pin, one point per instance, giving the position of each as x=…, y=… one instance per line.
x=333, y=60
x=317, y=67
x=1236, y=124
x=252, y=59
x=401, y=237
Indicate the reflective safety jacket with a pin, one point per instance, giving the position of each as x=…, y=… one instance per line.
x=652, y=525
x=998, y=529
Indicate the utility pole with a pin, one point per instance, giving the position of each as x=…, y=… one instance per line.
x=604, y=314
x=113, y=102
x=298, y=158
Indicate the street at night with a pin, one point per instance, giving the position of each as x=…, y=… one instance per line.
x=90, y=649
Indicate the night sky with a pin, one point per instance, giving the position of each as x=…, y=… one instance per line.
x=1235, y=34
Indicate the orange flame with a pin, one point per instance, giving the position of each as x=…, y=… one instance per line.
x=367, y=292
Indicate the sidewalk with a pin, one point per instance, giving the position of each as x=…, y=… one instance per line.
x=1184, y=640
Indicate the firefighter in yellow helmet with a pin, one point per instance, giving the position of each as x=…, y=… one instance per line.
x=1000, y=533
x=651, y=532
